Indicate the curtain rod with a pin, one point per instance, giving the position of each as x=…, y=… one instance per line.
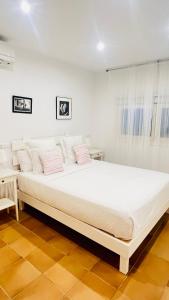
x=138, y=64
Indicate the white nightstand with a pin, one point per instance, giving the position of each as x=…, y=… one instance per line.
x=9, y=177
x=96, y=153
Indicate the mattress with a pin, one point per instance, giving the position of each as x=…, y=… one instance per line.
x=117, y=199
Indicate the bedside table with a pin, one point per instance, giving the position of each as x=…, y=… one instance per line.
x=96, y=153
x=7, y=179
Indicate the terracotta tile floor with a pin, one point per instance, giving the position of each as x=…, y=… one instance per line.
x=50, y=262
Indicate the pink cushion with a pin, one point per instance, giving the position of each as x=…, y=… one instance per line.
x=82, y=154
x=52, y=162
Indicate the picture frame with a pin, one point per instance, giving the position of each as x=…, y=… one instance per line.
x=63, y=108
x=21, y=105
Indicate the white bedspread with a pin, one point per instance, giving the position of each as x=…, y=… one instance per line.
x=114, y=198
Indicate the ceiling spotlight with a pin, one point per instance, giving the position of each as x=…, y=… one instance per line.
x=100, y=46
x=25, y=6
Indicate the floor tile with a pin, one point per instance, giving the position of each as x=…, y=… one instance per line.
x=20, y=229
x=5, y=220
x=7, y=257
x=22, y=246
x=23, y=216
x=4, y=225
x=40, y=289
x=65, y=273
x=86, y=258
x=18, y=276
x=165, y=295
x=40, y=260
x=71, y=270
x=9, y=235
x=81, y=291
x=95, y=283
x=161, y=247
x=164, y=233
x=63, y=244
x=2, y=244
x=34, y=239
x=46, y=232
x=147, y=282
x=51, y=251
x=31, y=223
x=135, y=289
x=154, y=269
x=3, y=295
x=108, y=274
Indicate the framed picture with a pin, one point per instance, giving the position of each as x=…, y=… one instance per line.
x=63, y=108
x=21, y=105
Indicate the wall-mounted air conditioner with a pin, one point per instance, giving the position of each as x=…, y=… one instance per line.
x=7, y=55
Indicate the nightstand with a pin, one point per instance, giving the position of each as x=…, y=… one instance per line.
x=96, y=153
x=8, y=185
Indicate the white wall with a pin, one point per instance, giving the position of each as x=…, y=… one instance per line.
x=102, y=129
x=43, y=79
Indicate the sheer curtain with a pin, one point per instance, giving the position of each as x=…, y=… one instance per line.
x=161, y=119
x=140, y=116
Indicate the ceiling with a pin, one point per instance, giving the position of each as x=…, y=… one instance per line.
x=69, y=30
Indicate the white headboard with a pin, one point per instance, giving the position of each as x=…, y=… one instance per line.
x=7, y=148
x=21, y=144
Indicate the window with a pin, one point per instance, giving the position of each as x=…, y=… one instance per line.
x=138, y=121
x=132, y=121
x=164, y=127
x=125, y=121
x=152, y=121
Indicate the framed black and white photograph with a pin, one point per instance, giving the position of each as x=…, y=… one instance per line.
x=63, y=108
x=21, y=105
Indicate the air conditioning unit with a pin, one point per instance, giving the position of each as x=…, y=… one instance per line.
x=7, y=55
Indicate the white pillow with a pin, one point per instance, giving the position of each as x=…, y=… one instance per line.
x=16, y=146
x=59, y=150
x=59, y=143
x=68, y=143
x=24, y=160
x=48, y=144
x=36, y=162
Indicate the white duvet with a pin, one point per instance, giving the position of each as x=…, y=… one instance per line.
x=117, y=199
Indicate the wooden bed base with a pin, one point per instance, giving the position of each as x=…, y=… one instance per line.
x=124, y=248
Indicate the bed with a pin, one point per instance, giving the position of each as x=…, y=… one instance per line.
x=114, y=205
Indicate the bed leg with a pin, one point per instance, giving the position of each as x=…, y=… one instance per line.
x=21, y=205
x=124, y=265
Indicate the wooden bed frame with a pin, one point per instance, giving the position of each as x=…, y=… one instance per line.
x=124, y=248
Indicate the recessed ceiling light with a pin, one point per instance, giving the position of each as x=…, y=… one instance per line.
x=100, y=46
x=25, y=6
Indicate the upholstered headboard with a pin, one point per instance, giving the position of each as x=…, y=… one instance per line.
x=21, y=144
x=8, y=153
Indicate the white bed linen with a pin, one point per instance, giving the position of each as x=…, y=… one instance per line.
x=117, y=199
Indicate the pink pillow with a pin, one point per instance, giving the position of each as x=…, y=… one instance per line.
x=52, y=162
x=82, y=154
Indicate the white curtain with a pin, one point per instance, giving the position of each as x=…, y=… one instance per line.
x=140, y=116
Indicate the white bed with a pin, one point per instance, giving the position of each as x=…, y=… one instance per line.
x=103, y=201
